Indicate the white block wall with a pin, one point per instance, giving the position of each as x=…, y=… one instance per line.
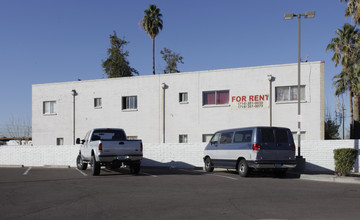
x=318, y=154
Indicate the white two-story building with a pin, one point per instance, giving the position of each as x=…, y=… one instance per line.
x=182, y=107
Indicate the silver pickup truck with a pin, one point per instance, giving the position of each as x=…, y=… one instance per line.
x=109, y=147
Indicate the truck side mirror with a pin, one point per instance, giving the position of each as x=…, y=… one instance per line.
x=77, y=140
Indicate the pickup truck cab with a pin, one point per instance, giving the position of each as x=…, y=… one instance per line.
x=246, y=149
x=109, y=147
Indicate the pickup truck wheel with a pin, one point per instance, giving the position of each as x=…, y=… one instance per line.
x=243, y=168
x=95, y=166
x=80, y=164
x=135, y=169
x=208, y=165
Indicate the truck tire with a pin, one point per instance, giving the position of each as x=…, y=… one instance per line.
x=135, y=169
x=208, y=165
x=80, y=163
x=95, y=166
x=243, y=168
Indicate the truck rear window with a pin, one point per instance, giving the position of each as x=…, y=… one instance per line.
x=108, y=135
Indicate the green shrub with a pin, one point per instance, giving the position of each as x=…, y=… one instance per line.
x=344, y=160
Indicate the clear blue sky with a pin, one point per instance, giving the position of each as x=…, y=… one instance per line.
x=44, y=41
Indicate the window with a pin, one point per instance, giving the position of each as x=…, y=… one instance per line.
x=49, y=107
x=289, y=93
x=206, y=138
x=242, y=136
x=183, y=138
x=59, y=141
x=267, y=135
x=183, y=97
x=216, y=97
x=97, y=103
x=108, y=135
x=226, y=137
x=215, y=138
x=132, y=137
x=129, y=102
x=282, y=136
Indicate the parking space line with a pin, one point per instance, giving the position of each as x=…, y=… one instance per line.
x=148, y=174
x=27, y=171
x=228, y=177
x=81, y=172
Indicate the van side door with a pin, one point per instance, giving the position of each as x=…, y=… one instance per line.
x=224, y=154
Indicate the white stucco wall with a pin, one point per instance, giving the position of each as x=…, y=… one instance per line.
x=192, y=118
x=318, y=154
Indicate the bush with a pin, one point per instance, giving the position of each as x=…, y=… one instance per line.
x=344, y=160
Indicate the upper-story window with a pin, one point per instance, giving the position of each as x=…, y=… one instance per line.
x=129, y=102
x=289, y=93
x=220, y=97
x=183, y=97
x=97, y=103
x=49, y=107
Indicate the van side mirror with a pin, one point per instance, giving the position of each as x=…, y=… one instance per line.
x=77, y=140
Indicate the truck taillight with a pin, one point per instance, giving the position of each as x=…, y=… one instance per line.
x=256, y=147
x=100, y=146
x=293, y=147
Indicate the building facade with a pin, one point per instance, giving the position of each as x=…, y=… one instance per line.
x=183, y=107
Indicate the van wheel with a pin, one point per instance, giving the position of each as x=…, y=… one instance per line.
x=208, y=165
x=243, y=168
x=95, y=166
x=80, y=163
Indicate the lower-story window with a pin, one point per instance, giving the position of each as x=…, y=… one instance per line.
x=206, y=138
x=183, y=138
x=59, y=141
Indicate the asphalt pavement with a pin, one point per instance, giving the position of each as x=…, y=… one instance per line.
x=68, y=193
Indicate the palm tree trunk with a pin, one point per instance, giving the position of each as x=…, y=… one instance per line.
x=153, y=42
x=356, y=117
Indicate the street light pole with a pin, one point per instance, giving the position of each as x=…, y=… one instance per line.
x=74, y=93
x=288, y=16
x=270, y=78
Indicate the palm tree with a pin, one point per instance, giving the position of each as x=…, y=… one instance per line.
x=152, y=24
x=353, y=9
x=345, y=47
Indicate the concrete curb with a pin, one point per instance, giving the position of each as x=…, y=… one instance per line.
x=330, y=178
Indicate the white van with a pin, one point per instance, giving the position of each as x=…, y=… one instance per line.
x=245, y=149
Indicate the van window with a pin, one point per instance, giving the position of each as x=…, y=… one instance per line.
x=267, y=135
x=215, y=138
x=226, y=137
x=281, y=136
x=243, y=136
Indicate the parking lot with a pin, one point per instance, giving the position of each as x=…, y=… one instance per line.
x=68, y=193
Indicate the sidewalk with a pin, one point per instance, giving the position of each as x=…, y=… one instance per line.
x=331, y=177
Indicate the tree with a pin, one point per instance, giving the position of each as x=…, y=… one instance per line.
x=20, y=129
x=171, y=59
x=152, y=24
x=331, y=127
x=346, y=51
x=117, y=65
x=353, y=9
